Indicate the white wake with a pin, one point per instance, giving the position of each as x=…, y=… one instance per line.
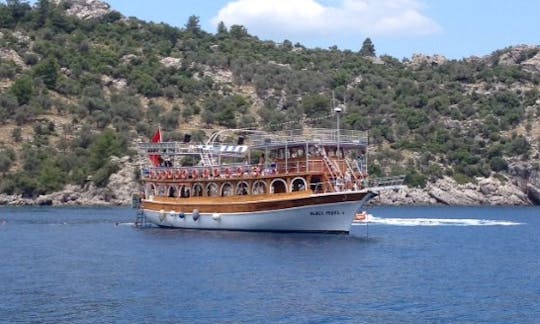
x=438, y=222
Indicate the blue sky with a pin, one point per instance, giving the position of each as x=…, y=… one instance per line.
x=453, y=28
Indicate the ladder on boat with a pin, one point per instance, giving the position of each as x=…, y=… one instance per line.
x=355, y=169
x=140, y=221
x=335, y=171
x=206, y=159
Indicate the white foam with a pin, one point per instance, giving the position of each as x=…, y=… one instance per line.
x=439, y=222
x=124, y=224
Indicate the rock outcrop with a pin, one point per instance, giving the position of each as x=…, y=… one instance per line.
x=11, y=55
x=171, y=62
x=407, y=196
x=419, y=59
x=527, y=56
x=488, y=191
x=528, y=177
x=86, y=9
x=533, y=64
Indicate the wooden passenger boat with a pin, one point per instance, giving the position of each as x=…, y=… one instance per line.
x=296, y=181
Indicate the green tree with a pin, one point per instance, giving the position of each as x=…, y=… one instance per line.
x=221, y=29
x=107, y=144
x=19, y=9
x=43, y=12
x=48, y=71
x=238, y=31
x=51, y=178
x=16, y=134
x=22, y=88
x=193, y=25
x=368, y=49
x=7, y=157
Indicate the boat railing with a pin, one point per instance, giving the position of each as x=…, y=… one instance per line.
x=393, y=182
x=315, y=135
x=180, y=148
x=243, y=170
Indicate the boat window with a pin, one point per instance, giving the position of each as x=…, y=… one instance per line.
x=212, y=190
x=151, y=190
x=299, y=184
x=197, y=190
x=278, y=186
x=184, y=191
x=259, y=188
x=161, y=191
x=227, y=190
x=242, y=189
x=172, y=191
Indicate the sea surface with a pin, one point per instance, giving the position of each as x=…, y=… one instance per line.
x=409, y=265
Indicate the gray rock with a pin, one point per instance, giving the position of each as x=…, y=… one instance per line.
x=419, y=59
x=533, y=193
x=488, y=191
x=171, y=62
x=86, y=9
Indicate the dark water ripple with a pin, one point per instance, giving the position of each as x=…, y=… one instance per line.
x=86, y=265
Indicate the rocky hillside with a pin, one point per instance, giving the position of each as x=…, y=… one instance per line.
x=80, y=84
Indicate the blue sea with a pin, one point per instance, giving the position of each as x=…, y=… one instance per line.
x=409, y=265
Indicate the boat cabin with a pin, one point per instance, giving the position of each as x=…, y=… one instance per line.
x=252, y=163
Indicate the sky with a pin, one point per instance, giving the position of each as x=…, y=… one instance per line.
x=399, y=28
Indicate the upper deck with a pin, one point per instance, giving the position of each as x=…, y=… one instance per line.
x=258, y=140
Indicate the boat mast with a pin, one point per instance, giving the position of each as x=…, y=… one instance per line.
x=337, y=110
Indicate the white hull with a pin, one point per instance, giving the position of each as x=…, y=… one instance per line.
x=333, y=217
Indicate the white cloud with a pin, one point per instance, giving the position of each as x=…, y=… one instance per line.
x=310, y=19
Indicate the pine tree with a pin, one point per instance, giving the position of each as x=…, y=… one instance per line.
x=368, y=49
x=221, y=28
x=193, y=25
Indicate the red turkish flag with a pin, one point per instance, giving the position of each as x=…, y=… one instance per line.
x=156, y=159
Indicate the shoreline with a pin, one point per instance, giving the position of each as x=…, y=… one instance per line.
x=518, y=189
